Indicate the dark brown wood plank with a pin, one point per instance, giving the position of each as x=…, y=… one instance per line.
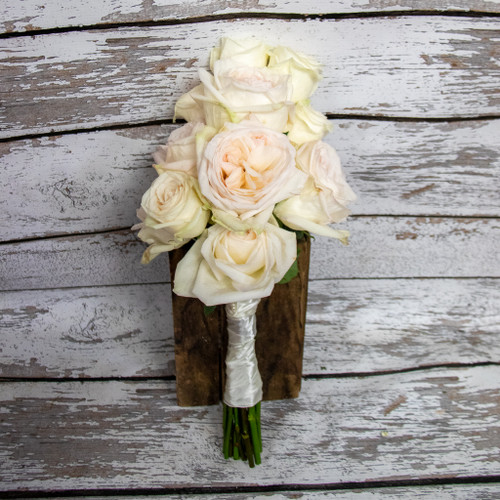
x=281, y=323
x=431, y=424
x=198, y=347
x=78, y=80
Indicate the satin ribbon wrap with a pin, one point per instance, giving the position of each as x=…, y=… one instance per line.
x=243, y=382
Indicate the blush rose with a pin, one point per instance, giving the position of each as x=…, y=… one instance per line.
x=247, y=168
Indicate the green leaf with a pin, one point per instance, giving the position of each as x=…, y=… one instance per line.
x=300, y=235
x=291, y=273
x=208, y=310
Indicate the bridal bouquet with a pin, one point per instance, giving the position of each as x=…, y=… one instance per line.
x=243, y=177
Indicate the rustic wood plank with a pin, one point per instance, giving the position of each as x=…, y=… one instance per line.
x=101, y=259
x=94, y=181
x=421, y=168
x=442, y=492
x=377, y=325
x=78, y=182
x=87, y=332
x=32, y=15
x=200, y=341
x=352, y=326
x=430, y=424
x=445, y=67
x=380, y=247
x=198, y=347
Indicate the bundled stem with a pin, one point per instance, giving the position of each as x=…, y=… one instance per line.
x=242, y=437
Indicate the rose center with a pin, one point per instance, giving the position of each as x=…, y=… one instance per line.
x=248, y=167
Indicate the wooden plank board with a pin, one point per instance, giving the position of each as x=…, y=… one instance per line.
x=31, y=15
x=75, y=80
x=380, y=247
x=476, y=491
x=94, y=181
x=87, y=332
x=77, y=182
x=352, y=326
x=83, y=435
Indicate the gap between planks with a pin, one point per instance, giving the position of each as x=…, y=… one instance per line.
x=330, y=116
x=167, y=282
x=253, y=15
x=351, y=217
x=288, y=491
x=314, y=376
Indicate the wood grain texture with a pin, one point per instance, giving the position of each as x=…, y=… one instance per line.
x=441, y=492
x=433, y=424
x=198, y=346
x=94, y=181
x=352, y=326
x=380, y=247
x=416, y=293
x=444, y=67
x=32, y=15
x=201, y=339
x=87, y=332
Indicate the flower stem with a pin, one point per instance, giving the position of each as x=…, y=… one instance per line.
x=237, y=437
x=255, y=434
x=242, y=438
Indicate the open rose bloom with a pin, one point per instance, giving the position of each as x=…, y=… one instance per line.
x=244, y=175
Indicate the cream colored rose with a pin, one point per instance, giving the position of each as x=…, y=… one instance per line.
x=247, y=168
x=244, y=52
x=172, y=213
x=307, y=124
x=224, y=266
x=180, y=151
x=305, y=72
x=322, y=163
x=312, y=211
x=188, y=106
x=233, y=92
x=324, y=197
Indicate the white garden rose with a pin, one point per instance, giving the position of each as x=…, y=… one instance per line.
x=324, y=197
x=306, y=124
x=224, y=266
x=172, y=213
x=180, y=150
x=245, y=52
x=322, y=163
x=234, y=92
x=188, y=106
x=305, y=72
x=159, y=240
x=246, y=169
x=312, y=210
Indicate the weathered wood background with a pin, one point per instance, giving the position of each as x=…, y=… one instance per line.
x=401, y=389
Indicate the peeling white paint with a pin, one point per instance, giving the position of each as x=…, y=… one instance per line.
x=38, y=14
x=438, y=67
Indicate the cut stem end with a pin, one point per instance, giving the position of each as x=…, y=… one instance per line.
x=242, y=437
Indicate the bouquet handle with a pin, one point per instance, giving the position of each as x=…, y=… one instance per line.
x=243, y=390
